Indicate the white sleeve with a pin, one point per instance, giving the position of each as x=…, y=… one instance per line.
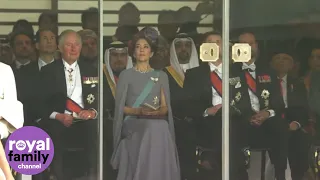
x=10, y=108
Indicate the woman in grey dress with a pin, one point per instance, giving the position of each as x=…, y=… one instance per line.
x=144, y=142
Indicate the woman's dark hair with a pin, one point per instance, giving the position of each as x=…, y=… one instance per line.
x=211, y=33
x=150, y=35
x=23, y=25
x=140, y=36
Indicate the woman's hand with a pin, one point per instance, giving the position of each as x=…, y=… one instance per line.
x=149, y=112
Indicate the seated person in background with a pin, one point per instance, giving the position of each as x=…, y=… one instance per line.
x=204, y=86
x=296, y=113
x=28, y=76
x=69, y=94
x=268, y=129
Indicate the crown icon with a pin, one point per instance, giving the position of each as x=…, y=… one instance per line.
x=21, y=145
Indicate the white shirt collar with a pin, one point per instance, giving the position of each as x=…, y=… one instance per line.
x=68, y=66
x=185, y=67
x=19, y=64
x=42, y=63
x=284, y=78
x=215, y=68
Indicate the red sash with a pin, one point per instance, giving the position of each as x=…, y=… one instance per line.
x=216, y=82
x=116, y=79
x=251, y=82
x=73, y=106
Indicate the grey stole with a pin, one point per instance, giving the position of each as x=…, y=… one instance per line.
x=120, y=102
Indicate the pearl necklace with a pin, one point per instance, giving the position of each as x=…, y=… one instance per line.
x=140, y=71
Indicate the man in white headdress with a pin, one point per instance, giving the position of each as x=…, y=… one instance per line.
x=11, y=112
x=116, y=59
x=183, y=56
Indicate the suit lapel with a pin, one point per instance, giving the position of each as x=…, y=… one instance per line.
x=206, y=72
x=35, y=67
x=290, y=89
x=260, y=87
x=82, y=72
x=61, y=77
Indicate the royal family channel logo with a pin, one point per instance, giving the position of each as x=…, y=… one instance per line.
x=29, y=150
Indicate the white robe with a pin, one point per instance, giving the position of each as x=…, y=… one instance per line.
x=11, y=110
x=2, y=176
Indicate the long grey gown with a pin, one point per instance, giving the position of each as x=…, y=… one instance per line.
x=144, y=149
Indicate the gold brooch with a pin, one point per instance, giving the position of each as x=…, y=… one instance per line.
x=90, y=98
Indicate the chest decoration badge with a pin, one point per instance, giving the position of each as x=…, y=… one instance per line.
x=90, y=98
x=264, y=79
x=154, y=79
x=155, y=100
x=265, y=94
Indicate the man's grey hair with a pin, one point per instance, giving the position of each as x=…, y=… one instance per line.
x=65, y=33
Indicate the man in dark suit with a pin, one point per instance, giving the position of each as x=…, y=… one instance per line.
x=28, y=77
x=295, y=99
x=204, y=85
x=69, y=94
x=183, y=56
x=269, y=129
x=22, y=45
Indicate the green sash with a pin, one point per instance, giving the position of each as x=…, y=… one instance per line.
x=144, y=94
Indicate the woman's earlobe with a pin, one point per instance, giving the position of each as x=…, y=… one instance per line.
x=151, y=55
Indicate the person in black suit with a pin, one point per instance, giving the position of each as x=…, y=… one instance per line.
x=22, y=44
x=69, y=94
x=28, y=76
x=295, y=99
x=183, y=56
x=269, y=129
x=204, y=85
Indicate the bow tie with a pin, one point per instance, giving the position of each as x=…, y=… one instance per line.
x=250, y=68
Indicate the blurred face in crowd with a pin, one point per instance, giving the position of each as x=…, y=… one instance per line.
x=282, y=63
x=118, y=59
x=183, y=50
x=251, y=40
x=47, y=43
x=314, y=61
x=23, y=47
x=89, y=48
x=167, y=27
x=215, y=39
x=129, y=16
x=163, y=53
x=161, y=58
x=92, y=23
x=70, y=47
x=47, y=23
x=143, y=51
x=6, y=55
